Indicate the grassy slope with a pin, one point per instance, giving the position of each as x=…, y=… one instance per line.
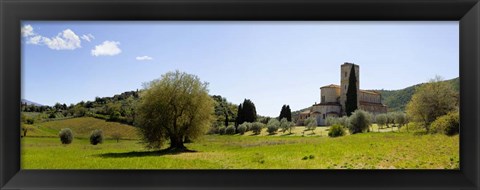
x=370, y=150
x=82, y=127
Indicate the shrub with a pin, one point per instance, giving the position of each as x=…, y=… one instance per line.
x=311, y=124
x=257, y=128
x=248, y=125
x=241, y=129
x=230, y=130
x=273, y=126
x=245, y=125
x=336, y=131
x=66, y=136
x=272, y=129
x=30, y=121
x=221, y=130
x=447, y=124
x=96, y=137
x=360, y=121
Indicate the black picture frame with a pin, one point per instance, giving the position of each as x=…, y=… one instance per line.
x=467, y=12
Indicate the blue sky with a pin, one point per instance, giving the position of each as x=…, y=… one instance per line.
x=271, y=63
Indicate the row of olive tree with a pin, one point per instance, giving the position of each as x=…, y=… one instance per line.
x=391, y=119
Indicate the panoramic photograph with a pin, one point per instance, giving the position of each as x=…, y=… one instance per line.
x=240, y=95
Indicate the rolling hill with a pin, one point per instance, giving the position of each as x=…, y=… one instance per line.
x=396, y=100
x=82, y=127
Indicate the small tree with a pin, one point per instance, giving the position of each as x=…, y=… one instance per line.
x=400, y=119
x=96, y=137
x=25, y=129
x=311, y=124
x=430, y=101
x=286, y=125
x=391, y=119
x=66, y=136
x=360, y=121
x=242, y=129
x=246, y=125
x=273, y=125
x=381, y=120
x=257, y=127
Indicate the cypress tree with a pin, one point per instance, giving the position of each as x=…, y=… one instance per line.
x=351, y=102
x=249, y=111
x=288, y=113
x=282, y=113
x=239, y=119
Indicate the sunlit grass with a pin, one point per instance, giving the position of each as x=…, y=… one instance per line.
x=360, y=151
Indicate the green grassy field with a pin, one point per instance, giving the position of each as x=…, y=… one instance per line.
x=81, y=127
x=387, y=150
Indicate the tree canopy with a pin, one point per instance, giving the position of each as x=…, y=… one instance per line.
x=285, y=112
x=432, y=100
x=246, y=112
x=173, y=108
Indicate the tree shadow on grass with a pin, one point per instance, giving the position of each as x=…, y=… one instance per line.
x=144, y=153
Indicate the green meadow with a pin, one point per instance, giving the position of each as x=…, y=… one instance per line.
x=41, y=149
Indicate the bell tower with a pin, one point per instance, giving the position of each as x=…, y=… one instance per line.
x=344, y=76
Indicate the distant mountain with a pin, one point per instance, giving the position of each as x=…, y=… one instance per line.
x=28, y=102
x=396, y=100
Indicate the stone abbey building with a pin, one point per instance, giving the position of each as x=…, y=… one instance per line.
x=333, y=98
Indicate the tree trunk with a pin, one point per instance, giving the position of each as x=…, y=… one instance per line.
x=176, y=143
x=24, y=133
x=187, y=140
x=226, y=120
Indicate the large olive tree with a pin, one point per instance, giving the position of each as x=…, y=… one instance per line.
x=175, y=107
x=430, y=101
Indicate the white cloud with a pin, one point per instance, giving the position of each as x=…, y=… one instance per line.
x=88, y=37
x=27, y=30
x=66, y=40
x=37, y=39
x=144, y=58
x=106, y=48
